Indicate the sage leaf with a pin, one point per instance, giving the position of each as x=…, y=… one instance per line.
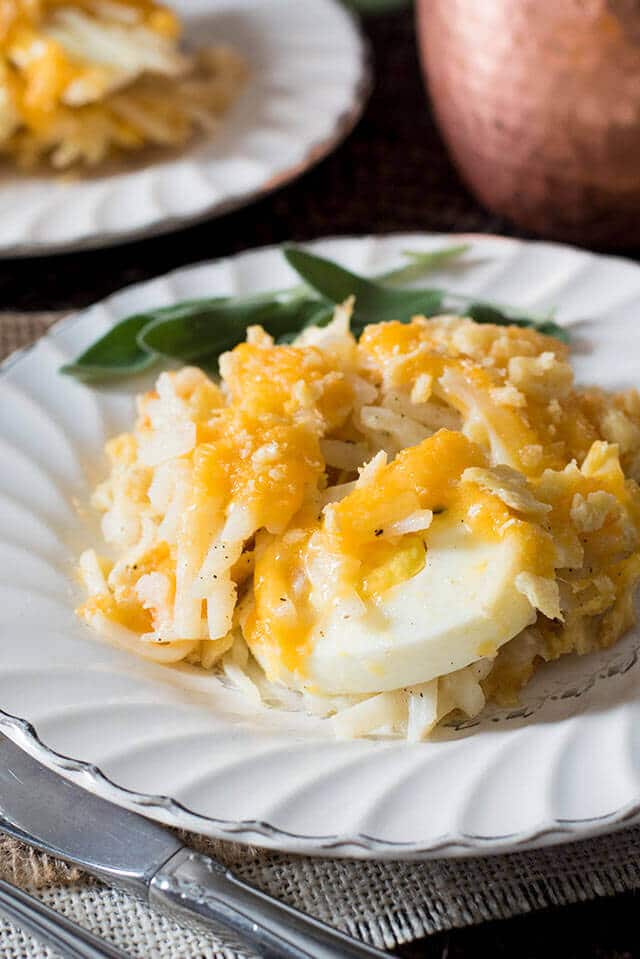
x=320, y=314
x=202, y=334
x=422, y=262
x=198, y=331
x=115, y=354
x=490, y=313
x=374, y=302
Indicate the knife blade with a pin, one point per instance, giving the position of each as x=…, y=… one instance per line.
x=123, y=848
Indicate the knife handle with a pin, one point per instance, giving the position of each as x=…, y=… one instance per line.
x=193, y=887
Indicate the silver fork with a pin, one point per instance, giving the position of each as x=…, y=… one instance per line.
x=70, y=939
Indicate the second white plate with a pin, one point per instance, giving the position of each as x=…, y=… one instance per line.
x=187, y=751
x=308, y=83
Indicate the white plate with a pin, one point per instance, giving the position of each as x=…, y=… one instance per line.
x=309, y=81
x=564, y=765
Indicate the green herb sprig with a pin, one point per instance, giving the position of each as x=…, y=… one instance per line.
x=198, y=331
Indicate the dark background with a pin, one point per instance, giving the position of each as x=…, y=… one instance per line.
x=605, y=929
x=391, y=175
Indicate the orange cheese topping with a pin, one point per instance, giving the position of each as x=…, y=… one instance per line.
x=287, y=380
x=263, y=462
x=421, y=477
x=282, y=616
x=29, y=13
x=38, y=70
x=426, y=476
x=275, y=440
x=127, y=613
x=470, y=374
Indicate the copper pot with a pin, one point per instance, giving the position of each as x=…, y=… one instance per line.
x=539, y=103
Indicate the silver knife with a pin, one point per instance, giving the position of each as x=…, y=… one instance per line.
x=124, y=849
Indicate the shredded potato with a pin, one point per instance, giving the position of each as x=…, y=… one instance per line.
x=313, y=477
x=81, y=80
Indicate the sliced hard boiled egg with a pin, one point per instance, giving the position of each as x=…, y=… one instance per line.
x=361, y=606
x=460, y=607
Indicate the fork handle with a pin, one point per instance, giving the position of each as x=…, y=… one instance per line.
x=193, y=887
x=49, y=926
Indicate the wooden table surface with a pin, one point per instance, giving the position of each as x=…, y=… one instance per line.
x=392, y=174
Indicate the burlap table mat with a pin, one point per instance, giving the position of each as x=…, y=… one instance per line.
x=385, y=904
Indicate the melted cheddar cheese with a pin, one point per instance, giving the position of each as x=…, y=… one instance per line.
x=82, y=78
x=433, y=499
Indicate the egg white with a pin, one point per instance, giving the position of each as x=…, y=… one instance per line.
x=462, y=606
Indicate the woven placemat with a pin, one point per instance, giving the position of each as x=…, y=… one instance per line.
x=385, y=904
x=18, y=330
